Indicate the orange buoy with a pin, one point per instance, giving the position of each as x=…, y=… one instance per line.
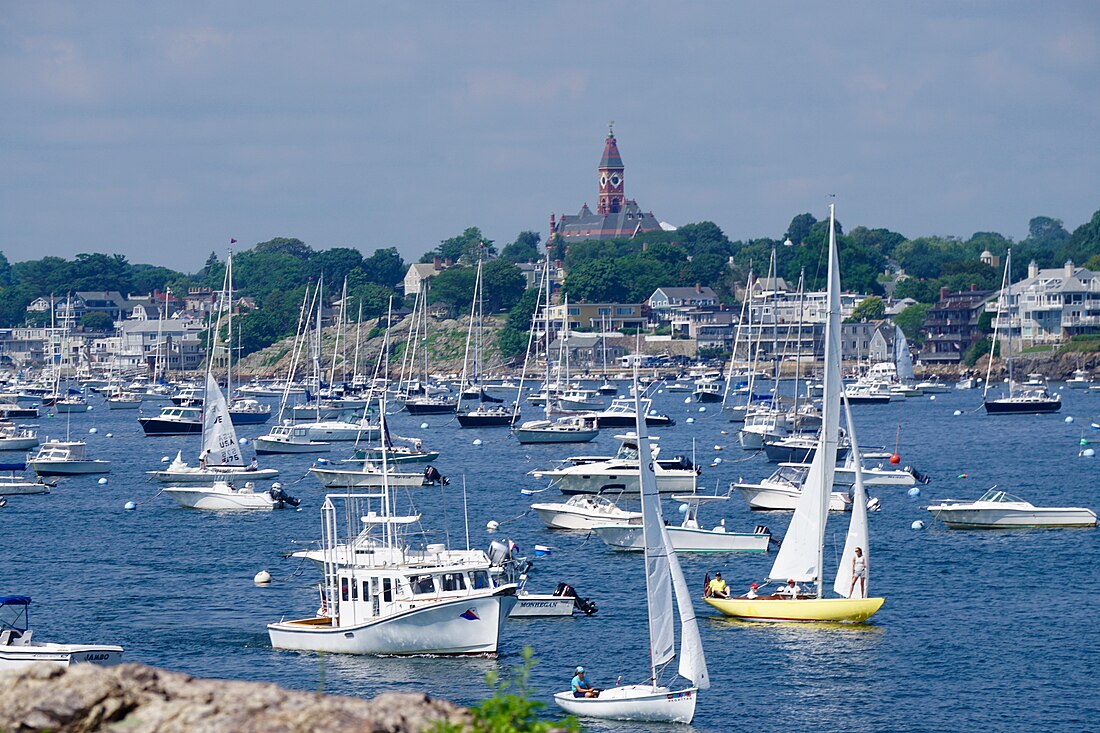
x=895, y=459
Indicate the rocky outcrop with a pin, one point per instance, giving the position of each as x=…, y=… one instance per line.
x=139, y=699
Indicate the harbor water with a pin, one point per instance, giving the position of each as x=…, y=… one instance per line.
x=989, y=630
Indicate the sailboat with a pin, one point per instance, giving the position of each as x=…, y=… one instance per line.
x=801, y=557
x=482, y=416
x=1019, y=401
x=651, y=701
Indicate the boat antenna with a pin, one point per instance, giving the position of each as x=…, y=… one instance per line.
x=466, y=511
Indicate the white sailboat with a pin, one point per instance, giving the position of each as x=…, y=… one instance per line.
x=801, y=557
x=652, y=701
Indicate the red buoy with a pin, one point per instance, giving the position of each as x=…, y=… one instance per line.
x=895, y=459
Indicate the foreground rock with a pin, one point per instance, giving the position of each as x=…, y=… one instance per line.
x=139, y=699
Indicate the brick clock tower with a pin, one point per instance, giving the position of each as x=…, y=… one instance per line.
x=611, y=176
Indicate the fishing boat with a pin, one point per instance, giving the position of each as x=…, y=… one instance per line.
x=614, y=474
x=1031, y=397
x=584, y=511
x=17, y=437
x=708, y=389
x=123, y=400
x=392, y=598
x=689, y=536
x=1079, y=380
x=18, y=649
x=289, y=439
x=173, y=420
x=563, y=602
x=226, y=496
x=997, y=509
x=335, y=431
x=220, y=458
x=801, y=556
x=622, y=414
x=66, y=458
x=651, y=701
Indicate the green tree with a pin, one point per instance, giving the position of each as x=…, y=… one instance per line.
x=100, y=272
x=524, y=249
x=597, y=281
x=502, y=285
x=882, y=241
x=455, y=286
x=285, y=246
x=918, y=290
x=260, y=272
x=869, y=309
x=335, y=264
x=1044, y=231
x=148, y=279
x=799, y=229
x=465, y=247
x=5, y=271
x=96, y=321
x=385, y=267
x=374, y=297
x=911, y=321
x=512, y=339
x=43, y=277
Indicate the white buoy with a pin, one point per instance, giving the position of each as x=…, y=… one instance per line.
x=129, y=506
x=956, y=413
x=110, y=435
x=683, y=509
x=477, y=441
x=1069, y=418
x=244, y=441
x=717, y=461
x=423, y=426
x=917, y=525
x=690, y=420
x=103, y=481
x=93, y=431
x=913, y=492
x=717, y=447
x=262, y=578
x=932, y=397
x=1088, y=453
x=702, y=409
x=164, y=459
x=492, y=525
x=724, y=432
x=660, y=391
x=687, y=400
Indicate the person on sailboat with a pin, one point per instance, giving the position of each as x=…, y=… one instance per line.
x=859, y=572
x=580, y=685
x=254, y=465
x=752, y=592
x=202, y=458
x=791, y=589
x=718, y=588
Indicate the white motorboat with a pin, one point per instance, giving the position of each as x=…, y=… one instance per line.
x=580, y=399
x=17, y=437
x=935, y=386
x=225, y=496
x=14, y=483
x=18, y=650
x=619, y=473
x=689, y=536
x=124, y=400
x=1079, y=380
x=845, y=474
x=997, y=509
x=66, y=458
x=342, y=430
x=966, y=383
x=289, y=439
x=621, y=414
x=394, y=600
x=584, y=511
x=561, y=603
x=362, y=474
x=653, y=701
x=781, y=491
x=568, y=429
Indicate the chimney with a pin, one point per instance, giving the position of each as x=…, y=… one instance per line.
x=1069, y=268
x=973, y=287
x=943, y=293
x=437, y=264
x=698, y=287
x=448, y=262
x=1032, y=269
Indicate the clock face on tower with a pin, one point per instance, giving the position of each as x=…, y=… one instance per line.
x=616, y=179
x=603, y=180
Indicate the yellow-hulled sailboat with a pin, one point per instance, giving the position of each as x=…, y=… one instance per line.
x=802, y=554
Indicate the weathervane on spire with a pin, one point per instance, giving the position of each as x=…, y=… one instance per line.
x=611, y=128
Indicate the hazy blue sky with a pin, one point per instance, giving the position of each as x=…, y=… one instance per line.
x=159, y=130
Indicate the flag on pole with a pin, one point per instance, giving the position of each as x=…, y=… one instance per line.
x=232, y=241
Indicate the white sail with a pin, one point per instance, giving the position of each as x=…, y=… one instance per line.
x=903, y=360
x=801, y=555
x=693, y=664
x=657, y=552
x=857, y=526
x=219, y=438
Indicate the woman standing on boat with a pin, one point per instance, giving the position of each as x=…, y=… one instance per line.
x=859, y=572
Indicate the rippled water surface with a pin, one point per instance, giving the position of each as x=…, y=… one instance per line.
x=980, y=629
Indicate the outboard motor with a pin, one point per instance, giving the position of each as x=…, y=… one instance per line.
x=281, y=498
x=920, y=477
x=588, y=607
x=432, y=476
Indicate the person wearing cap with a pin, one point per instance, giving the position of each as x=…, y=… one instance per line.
x=718, y=587
x=580, y=685
x=791, y=589
x=752, y=591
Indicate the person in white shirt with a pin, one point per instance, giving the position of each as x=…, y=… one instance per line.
x=752, y=591
x=859, y=572
x=791, y=589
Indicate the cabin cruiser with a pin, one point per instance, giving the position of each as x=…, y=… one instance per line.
x=1025, y=401
x=17, y=437
x=1079, y=380
x=247, y=411
x=997, y=509
x=619, y=473
x=289, y=439
x=581, y=428
x=341, y=430
x=621, y=414
x=799, y=448
x=363, y=473
x=174, y=420
x=66, y=458
x=781, y=491
x=14, y=483
x=394, y=598
x=18, y=649
x=584, y=511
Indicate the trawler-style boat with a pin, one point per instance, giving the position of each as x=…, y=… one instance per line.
x=17, y=437
x=289, y=439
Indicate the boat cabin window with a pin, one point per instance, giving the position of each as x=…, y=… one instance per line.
x=387, y=589
x=422, y=584
x=480, y=579
x=343, y=589
x=453, y=581
x=355, y=590
x=366, y=589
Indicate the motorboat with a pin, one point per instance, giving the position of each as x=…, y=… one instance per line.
x=123, y=400
x=343, y=430
x=248, y=411
x=1030, y=401
x=397, y=454
x=935, y=386
x=584, y=511
x=487, y=416
x=689, y=536
x=621, y=414
x=867, y=394
x=226, y=496
x=395, y=599
x=966, y=383
x=18, y=649
x=17, y=437
x=579, y=400
x=433, y=405
x=1079, y=380
x=66, y=458
x=563, y=602
x=289, y=439
x=14, y=483
x=618, y=473
x=173, y=420
x=997, y=509
x=781, y=491
x=797, y=449
x=708, y=389
x=359, y=474
x=11, y=409
x=581, y=428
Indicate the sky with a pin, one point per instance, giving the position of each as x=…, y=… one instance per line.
x=161, y=130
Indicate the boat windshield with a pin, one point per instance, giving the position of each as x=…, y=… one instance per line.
x=997, y=496
x=14, y=612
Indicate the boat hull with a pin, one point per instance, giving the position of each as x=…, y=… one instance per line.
x=266, y=445
x=69, y=468
x=18, y=443
x=545, y=435
x=625, y=483
x=781, y=498
x=630, y=538
x=1030, y=407
x=156, y=426
x=197, y=498
x=338, y=433
x=560, y=516
x=641, y=703
x=442, y=628
x=209, y=476
x=783, y=609
x=540, y=606
x=430, y=408
x=1036, y=518
x=332, y=478
x=474, y=420
x=13, y=658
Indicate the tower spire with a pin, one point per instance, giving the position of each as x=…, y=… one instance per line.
x=611, y=176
